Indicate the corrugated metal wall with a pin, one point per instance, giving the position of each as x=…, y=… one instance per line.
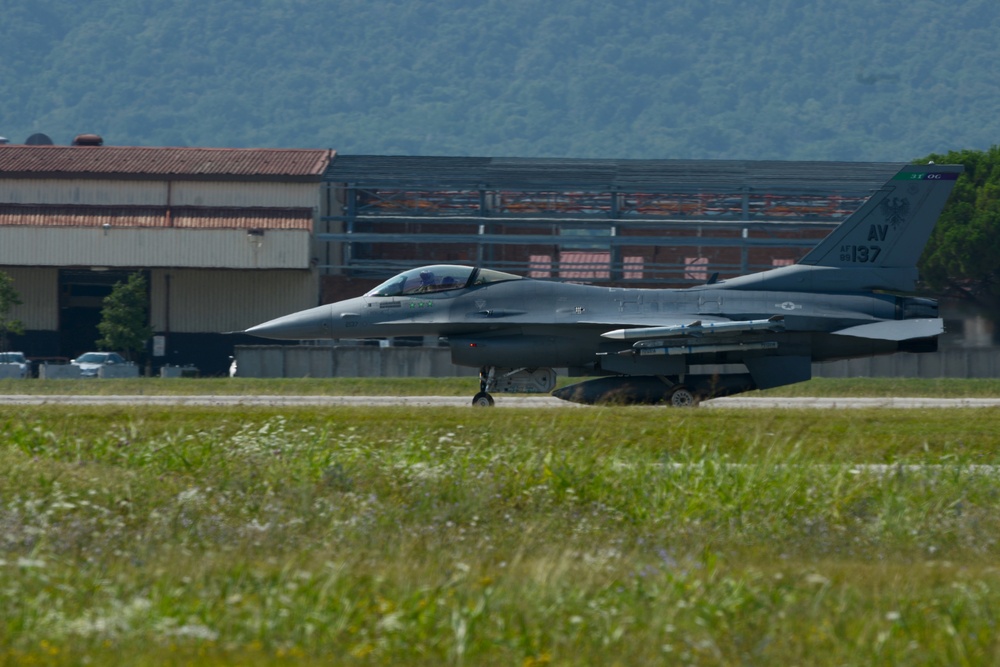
x=210, y=248
x=96, y=192
x=82, y=192
x=232, y=278
x=189, y=217
x=220, y=301
x=39, y=292
x=245, y=195
x=201, y=301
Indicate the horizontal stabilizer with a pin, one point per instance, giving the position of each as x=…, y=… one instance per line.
x=896, y=329
x=698, y=328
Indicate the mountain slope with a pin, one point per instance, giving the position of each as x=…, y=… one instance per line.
x=775, y=79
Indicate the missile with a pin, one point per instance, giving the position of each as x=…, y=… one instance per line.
x=697, y=328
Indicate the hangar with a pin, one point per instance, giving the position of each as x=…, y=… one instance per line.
x=228, y=238
x=224, y=237
x=644, y=223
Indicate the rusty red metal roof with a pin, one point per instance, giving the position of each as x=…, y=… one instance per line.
x=186, y=217
x=277, y=164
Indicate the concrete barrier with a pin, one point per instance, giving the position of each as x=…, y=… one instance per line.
x=118, y=371
x=178, y=372
x=958, y=363
x=273, y=361
x=308, y=362
x=58, y=372
x=10, y=372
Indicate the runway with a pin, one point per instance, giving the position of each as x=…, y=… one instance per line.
x=502, y=401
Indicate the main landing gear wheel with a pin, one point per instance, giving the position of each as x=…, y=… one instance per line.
x=682, y=397
x=482, y=400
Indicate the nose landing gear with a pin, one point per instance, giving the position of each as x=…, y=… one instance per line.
x=487, y=382
x=520, y=380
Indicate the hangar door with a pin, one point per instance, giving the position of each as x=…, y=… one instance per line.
x=81, y=298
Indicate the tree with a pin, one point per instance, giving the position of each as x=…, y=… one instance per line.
x=124, y=324
x=962, y=258
x=8, y=299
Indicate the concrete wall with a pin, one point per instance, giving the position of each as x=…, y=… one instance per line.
x=10, y=371
x=130, y=247
x=370, y=361
x=268, y=361
x=66, y=371
x=118, y=371
x=58, y=372
x=971, y=363
x=178, y=372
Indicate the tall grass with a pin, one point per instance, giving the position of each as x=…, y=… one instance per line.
x=466, y=386
x=405, y=536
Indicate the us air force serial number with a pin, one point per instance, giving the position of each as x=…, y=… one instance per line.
x=859, y=253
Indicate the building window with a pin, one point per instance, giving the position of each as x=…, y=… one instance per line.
x=632, y=268
x=585, y=265
x=696, y=268
x=540, y=266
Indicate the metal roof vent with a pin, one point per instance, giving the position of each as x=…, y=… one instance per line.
x=88, y=140
x=38, y=139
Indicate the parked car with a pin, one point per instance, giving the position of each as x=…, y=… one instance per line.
x=90, y=362
x=17, y=359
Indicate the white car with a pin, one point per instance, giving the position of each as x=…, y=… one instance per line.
x=90, y=362
x=16, y=359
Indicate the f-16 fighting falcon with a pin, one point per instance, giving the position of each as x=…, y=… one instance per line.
x=842, y=300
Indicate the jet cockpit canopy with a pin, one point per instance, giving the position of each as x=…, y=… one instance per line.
x=439, y=278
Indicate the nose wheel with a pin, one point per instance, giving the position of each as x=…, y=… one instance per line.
x=487, y=381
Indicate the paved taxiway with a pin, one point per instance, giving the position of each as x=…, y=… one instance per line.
x=501, y=401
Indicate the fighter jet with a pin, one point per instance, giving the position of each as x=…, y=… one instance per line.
x=846, y=298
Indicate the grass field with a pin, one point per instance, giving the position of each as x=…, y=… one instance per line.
x=205, y=536
x=876, y=387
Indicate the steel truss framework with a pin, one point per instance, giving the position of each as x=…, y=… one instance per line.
x=633, y=222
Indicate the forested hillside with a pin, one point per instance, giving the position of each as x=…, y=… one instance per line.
x=774, y=79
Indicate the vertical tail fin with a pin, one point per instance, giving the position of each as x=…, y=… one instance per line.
x=877, y=247
x=891, y=229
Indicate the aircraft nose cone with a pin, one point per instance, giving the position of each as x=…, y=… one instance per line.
x=303, y=325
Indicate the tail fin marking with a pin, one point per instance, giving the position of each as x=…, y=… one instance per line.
x=891, y=229
x=876, y=247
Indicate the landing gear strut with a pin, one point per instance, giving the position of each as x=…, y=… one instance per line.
x=487, y=381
